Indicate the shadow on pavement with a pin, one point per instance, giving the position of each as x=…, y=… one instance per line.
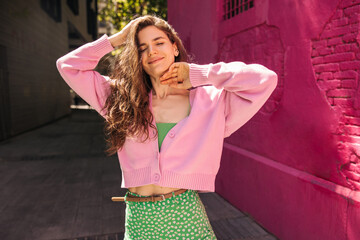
x=57, y=183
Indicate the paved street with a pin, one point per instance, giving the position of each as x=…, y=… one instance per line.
x=57, y=183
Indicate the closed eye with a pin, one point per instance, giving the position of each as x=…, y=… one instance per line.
x=142, y=50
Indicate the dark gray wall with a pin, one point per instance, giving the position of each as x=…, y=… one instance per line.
x=31, y=39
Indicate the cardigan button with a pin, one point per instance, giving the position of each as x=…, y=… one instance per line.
x=156, y=177
x=172, y=134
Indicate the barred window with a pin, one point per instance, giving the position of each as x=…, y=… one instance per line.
x=234, y=7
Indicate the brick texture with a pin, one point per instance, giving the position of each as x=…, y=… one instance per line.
x=262, y=44
x=335, y=58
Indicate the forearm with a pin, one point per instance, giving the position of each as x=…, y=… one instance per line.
x=245, y=88
x=76, y=68
x=117, y=39
x=245, y=80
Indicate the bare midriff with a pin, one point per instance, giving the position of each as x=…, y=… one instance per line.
x=171, y=109
x=151, y=189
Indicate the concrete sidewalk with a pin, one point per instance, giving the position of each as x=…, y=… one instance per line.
x=56, y=183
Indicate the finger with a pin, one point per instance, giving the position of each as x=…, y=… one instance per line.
x=174, y=75
x=173, y=82
x=173, y=85
x=169, y=81
x=168, y=76
x=178, y=85
x=165, y=76
x=175, y=65
x=172, y=69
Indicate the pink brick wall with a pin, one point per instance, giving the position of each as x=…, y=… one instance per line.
x=261, y=44
x=295, y=165
x=336, y=63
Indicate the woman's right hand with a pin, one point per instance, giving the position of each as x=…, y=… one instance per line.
x=119, y=38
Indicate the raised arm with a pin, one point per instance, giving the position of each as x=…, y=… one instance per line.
x=77, y=69
x=247, y=88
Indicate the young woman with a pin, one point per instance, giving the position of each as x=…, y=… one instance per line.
x=166, y=119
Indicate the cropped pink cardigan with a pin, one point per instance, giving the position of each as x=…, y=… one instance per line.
x=225, y=96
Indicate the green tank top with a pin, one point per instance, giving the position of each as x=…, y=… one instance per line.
x=163, y=129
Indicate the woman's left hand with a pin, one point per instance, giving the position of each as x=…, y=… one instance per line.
x=177, y=76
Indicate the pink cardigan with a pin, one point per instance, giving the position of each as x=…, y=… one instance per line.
x=191, y=151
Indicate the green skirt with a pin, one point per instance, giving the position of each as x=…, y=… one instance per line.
x=179, y=217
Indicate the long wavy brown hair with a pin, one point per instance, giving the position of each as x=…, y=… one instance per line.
x=128, y=113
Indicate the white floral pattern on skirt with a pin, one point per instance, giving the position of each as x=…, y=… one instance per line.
x=179, y=217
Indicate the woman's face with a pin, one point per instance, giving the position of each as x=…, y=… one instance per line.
x=156, y=51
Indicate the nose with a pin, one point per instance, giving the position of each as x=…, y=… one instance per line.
x=152, y=50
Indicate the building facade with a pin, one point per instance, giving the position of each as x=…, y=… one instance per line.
x=295, y=166
x=33, y=34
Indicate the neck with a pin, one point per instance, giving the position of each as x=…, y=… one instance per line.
x=162, y=91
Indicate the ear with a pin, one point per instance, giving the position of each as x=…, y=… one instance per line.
x=176, y=51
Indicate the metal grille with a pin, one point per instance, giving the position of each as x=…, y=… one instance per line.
x=234, y=7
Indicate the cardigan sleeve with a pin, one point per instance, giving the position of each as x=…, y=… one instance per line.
x=246, y=88
x=76, y=68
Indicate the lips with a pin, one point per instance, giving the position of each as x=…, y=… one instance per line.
x=155, y=60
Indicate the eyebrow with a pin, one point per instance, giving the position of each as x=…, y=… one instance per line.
x=155, y=39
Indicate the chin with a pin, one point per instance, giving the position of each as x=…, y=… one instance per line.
x=158, y=72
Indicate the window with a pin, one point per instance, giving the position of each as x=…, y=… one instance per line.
x=74, y=6
x=52, y=8
x=91, y=19
x=234, y=7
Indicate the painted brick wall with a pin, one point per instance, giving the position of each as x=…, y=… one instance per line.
x=336, y=62
x=261, y=44
x=294, y=166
